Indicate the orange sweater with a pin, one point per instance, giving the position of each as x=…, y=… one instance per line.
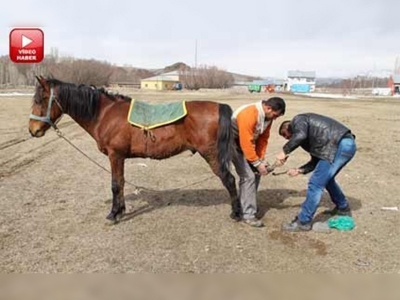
x=253, y=137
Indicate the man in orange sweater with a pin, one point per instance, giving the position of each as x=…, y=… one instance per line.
x=251, y=127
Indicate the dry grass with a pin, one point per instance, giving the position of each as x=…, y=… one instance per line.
x=53, y=202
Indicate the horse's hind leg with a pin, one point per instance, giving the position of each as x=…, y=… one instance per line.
x=228, y=180
x=230, y=184
x=117, y=187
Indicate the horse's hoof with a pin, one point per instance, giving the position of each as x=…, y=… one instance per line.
x=111, y=217
x=116, y=216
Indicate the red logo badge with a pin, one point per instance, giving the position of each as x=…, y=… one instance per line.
x=26, y=45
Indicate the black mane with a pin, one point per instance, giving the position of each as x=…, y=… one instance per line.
x=80, y=100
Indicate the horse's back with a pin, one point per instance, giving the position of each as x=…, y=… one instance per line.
x=203, y=122
x=197, y=131
x=203, y=111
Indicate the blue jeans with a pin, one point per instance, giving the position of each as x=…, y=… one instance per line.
x=324, y=177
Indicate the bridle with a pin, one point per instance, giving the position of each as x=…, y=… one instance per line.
x=47, y=119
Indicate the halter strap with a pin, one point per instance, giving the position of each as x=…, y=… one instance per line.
x=47, y=119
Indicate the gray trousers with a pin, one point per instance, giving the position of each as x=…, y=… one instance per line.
x=248, y=185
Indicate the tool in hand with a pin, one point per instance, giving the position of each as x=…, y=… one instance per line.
x=279, y=173
x=272, y=167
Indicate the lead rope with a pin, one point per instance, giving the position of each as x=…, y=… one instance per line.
x=139, y=188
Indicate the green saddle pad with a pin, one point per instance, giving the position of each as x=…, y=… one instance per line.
x=148, y=116
x=341, y=223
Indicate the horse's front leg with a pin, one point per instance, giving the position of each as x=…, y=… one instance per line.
x=117, y=187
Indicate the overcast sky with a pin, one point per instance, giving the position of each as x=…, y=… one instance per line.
x=254, y=37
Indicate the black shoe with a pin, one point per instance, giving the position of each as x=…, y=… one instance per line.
x=340, y=212
x=236, y=216
x=296, y=226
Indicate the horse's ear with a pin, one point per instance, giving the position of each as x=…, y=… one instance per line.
x=42, y=81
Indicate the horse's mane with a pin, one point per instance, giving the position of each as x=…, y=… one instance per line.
x=82, y=100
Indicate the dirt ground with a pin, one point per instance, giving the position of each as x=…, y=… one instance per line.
x=53, y=201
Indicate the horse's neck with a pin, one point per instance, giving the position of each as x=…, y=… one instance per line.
x=90, y=124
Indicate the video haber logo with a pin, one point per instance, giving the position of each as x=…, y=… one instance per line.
x=26, y=45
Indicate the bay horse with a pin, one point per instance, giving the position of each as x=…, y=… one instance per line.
x=205, y=129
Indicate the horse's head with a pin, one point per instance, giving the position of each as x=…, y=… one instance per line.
x=46, y=109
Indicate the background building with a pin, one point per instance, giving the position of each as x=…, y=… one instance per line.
x=394, y=84
x=266, y=85
x=166, y=81
x=301, y=81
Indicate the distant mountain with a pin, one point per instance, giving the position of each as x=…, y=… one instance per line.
x=179, y=66
x=129, y=74
x=243, y=78
x=134, y=75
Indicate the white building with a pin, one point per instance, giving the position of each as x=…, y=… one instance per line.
x=300, y=81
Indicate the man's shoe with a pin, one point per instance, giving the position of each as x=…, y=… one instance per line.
x=236, y=216
x=253, y=222
x=296, y=226
x=340, y=212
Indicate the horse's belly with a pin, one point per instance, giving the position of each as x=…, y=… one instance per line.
x=157, y=148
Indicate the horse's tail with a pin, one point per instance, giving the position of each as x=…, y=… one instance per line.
x=225, y=140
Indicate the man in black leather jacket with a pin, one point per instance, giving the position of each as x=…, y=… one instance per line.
x=331, y=146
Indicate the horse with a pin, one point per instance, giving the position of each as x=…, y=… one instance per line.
x=206, y=129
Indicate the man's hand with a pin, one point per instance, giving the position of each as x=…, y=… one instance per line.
x=294, y=172
x=281, y=159
x=262, y=169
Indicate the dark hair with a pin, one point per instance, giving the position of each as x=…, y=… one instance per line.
x=285, y=125
x=276, y=103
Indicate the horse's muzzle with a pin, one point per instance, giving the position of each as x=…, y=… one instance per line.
x=36, y=133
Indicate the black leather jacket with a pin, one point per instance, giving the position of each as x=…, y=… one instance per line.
x=318, y=135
